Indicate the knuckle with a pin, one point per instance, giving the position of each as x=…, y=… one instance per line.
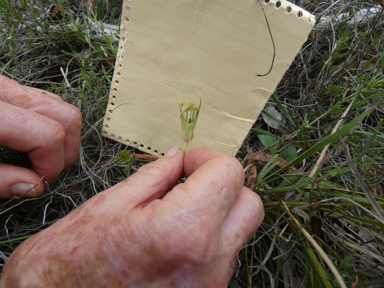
x=75, y=117
x=153, y=173
x=180, y=235
x=232, y=165
x=54, y=133
x=151, y=170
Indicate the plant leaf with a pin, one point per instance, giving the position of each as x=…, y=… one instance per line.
x=289, y=154
x=267, y=141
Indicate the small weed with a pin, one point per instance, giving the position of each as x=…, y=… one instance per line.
x=126, y=161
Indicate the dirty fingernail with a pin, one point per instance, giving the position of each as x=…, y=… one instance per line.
x=172, y=151
x=25, y=189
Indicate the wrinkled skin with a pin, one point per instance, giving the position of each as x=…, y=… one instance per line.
x=133, y=236
x=42, y=124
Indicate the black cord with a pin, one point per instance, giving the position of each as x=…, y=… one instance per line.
x=273, y=42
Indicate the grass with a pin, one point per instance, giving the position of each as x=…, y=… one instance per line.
x=335, y=81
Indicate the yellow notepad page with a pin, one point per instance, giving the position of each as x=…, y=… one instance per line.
x=216, y=47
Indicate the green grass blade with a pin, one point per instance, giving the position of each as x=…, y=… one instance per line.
x=266, y=169
x=369, y=143
x=327, y=140
x=283, y=110
x=352, y=197
x=301, y=184
x=15, y=239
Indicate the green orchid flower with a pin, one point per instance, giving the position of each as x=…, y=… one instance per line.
x=189, y=113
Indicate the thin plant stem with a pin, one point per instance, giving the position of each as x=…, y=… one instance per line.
x=185, y=147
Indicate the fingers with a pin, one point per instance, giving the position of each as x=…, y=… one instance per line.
x=214, y=191
x=198, y=156
x=42, y=137
x=18, y=181
x=48, y=105
x=150, y=182
x=244, y=218
x=214, y=181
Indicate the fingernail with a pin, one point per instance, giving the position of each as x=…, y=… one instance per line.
x=21, y=189
x=172, y=151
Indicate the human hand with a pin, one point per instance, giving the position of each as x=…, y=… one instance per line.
x=42, y=124
x=131, y=235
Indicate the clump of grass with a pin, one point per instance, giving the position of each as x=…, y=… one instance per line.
x=333, y=93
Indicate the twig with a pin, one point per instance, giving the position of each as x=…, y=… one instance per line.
x=326, y=147
x=362, y=184
x=32, y=188
x=27, y=81
x=272, y=280
x=101, y=119
x=266, y=258
x=273, y=43
x=66, y=81
x=326, y=259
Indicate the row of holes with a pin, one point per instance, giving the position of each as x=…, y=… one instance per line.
x=126, y=19
x=278, y=5
x=132, y=143
x=121, y=138
x=127, y=140
x=288, y=9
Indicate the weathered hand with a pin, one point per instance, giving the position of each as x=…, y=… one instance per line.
x=42, y=124
x=133, y=236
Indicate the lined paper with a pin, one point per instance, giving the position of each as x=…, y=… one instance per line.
x=215, y=47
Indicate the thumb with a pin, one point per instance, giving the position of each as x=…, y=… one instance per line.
x=150, y=182
x=19, y=181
